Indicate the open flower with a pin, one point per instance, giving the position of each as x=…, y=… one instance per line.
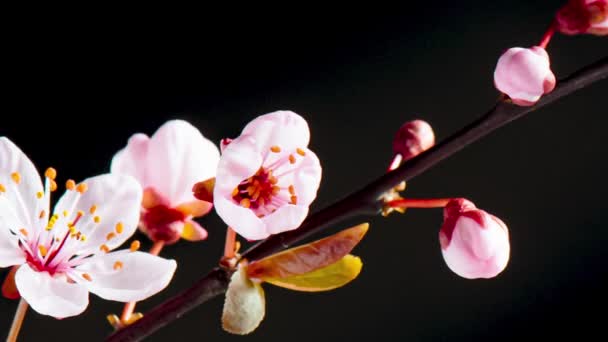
x=583, y=16
x=64, y=256
x=474, y=243
x=524, y=75
x=267, y=177
x=167, y=165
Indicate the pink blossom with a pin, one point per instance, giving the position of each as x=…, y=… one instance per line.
x=474, y=243
x=167, y=165
x=583, y=16
x=62, y=256
x=413, y=138
x=524, y=75
x=267, y=177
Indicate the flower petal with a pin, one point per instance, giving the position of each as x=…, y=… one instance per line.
x=287, y=217
x=10, y=253
x=131, y=160
x=117, y=198
x=178, y=157
x=306, y=179
x=240, y=160
x=193, y=231
x=128, y=276
x=285, y=129
x=22, y=192
x=241, y=219
x=52, y=296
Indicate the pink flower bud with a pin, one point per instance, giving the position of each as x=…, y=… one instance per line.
x=413, y=138
x=474, y=243
x=583, y=16
x=524, y=75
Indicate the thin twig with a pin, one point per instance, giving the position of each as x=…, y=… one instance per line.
x=364, y=201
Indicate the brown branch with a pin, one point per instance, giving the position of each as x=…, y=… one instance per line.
x=364, y=201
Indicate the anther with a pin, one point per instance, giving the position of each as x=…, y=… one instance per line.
x=83, y=238
x=87, y=277
x=42, y=214
x=300, y=152
x=134, y=246
x=245, y=203
x=42, y=250
x=2, y=188
x=23, y=232
x=118, y=265
x=93, y=209
x=104, y=248
x=110, y=236
x=292, y=159
x=275, y=190
x=50, y=173
x=97, y=219
x=16, y=177
x=82, y=188
x=119, y=228
x=39, y=194
x=235, y=191
x=275, y=149
x=53, y=185
x=70, y=184
x=65, y=213
x=294, y=199
x=292, y=190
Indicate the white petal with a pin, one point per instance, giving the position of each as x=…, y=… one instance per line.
x=287, y=217
x=10, y=253
x=137, y=276
x=117, y=198
x=240, y=160
x=23, y=195
x=285, y=129
x=52, y=296
x=178, y=157
x=131, y=160
x=241, y=219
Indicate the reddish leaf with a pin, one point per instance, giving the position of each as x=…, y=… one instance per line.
x=309, y=257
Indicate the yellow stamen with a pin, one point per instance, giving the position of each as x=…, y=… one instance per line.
x=119, y=227
x=134, y=246
x=292, y=190
x=93, y=209
x=300, y=152
x=87, y=277
x=82, y=188
x=42, y=214
x=65, y=213
x=118, y=265
x=104, y=248
x=23, y=231
x=294, y=199
x=2, y=188
x=110, y=236
x=235, y=192
x=245, y=203
x=50, y=173
x=97, y=219
x=273, y=180
x=83, y=238
x=261, y=201
x=39, y=194
x=53, y=185
x=292, y=159
x=16, y=177
x=42, y=250
x=275, y=190
x=70, y=184
x=275, y=149
x=251, y=190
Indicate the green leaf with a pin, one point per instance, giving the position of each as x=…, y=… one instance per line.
x=245, y=305
x=324, y=279
x=309, y=257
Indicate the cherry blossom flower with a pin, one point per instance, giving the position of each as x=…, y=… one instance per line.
x=524, y=75
x=583, y=16
x=167, y=165
x=474, y=243
x=267, y=177
x=65, y=255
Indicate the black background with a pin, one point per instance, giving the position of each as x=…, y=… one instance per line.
x=76, y=89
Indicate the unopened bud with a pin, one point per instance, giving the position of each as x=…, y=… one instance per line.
x=413, y=138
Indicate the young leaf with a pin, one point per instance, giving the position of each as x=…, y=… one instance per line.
x=324, y=279
x=309, y=257
x=244, y=306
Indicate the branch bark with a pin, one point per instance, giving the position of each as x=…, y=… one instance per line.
x=362, y=202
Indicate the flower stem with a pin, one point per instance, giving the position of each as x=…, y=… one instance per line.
x=230, y=243
x=17, y=321
x=419, y=203
x=547, y=36
x=127, y=311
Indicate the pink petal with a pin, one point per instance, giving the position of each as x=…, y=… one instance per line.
x=10, y=253
x=132, y=159
x=22, y=196
x=240, y=160
x=285, y=129
x=128, y=276
x=178, y=157
x=52, y=296
x=287, y=217
x=117, y=198
x=307, y=178
x=241, y=219
x=193, y=231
